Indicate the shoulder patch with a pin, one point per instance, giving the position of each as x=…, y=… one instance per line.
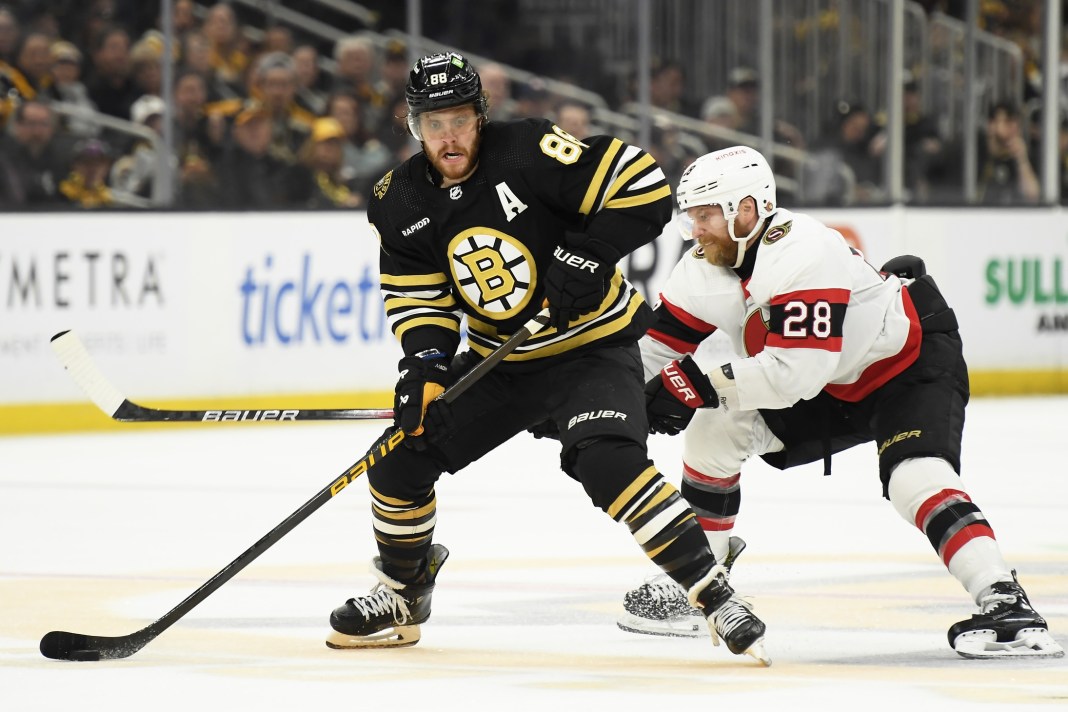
x=777, y=233
x=382, y=185
x=698, y=253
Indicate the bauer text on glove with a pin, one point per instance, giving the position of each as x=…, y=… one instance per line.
x=578, y=278
x=672, y=396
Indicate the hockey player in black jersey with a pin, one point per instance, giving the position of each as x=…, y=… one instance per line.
x=488, y=222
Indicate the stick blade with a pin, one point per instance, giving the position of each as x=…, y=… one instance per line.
x=72, y=354
x=61, y=645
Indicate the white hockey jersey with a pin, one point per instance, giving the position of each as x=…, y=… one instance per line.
x=804, y=313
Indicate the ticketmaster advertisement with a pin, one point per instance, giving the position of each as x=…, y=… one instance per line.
x=208, y=307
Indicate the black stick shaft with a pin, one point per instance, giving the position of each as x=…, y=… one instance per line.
x=62, y=645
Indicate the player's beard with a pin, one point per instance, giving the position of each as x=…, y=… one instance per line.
x=456, y=171
x=721, y=254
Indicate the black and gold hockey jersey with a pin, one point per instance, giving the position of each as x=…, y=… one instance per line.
x=479, y=248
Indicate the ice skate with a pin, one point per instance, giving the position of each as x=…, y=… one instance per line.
x=729, y=617
x=660, y=606
x=390, y=615
x=1006, y=626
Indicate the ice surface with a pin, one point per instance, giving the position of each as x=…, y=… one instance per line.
x=105, y=533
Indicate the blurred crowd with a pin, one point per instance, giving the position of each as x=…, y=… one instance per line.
x=255, y=125
x=260, y=125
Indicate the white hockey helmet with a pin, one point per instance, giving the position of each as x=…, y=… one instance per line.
x=725, y=178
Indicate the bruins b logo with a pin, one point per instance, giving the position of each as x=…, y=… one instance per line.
x=494, y=270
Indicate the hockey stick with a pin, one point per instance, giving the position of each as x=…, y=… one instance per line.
x=61, y=645
x=72, y=354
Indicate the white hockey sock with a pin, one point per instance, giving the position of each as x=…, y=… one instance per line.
x=924, y=491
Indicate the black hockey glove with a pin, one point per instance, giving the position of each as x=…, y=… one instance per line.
x=578, y=277
x=423, y=378
x=672, y=396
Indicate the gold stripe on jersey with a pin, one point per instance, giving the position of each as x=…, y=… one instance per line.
x=426, y=281
x=597, y=182
x=419, y=300
x=640, y=199
x=398, y=302
x=553, y=344
x=452, y=324
x=625, y=177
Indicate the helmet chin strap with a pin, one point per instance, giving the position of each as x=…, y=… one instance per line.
x=742, y=241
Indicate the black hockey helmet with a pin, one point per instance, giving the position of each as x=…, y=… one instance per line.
x=442, y=81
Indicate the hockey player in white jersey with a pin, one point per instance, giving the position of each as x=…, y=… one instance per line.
x=828, y=353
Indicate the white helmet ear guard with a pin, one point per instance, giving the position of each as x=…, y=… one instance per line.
x=726, y=178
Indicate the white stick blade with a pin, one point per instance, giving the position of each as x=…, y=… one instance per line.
x=79, y=364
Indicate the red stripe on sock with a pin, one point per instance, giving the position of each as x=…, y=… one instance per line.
x=725, y=483
x=937, y=500
x=972, y=531
x=719, y=524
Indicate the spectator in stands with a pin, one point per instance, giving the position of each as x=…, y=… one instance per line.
x=86, y=185
x=32, y=158
x=719, y=112
x=249, y=176
x=197, y=142
x=68, y=88
x=9, y=36
x=196, y=57
x=667, y=89
x=498, y=88
x=743, y=90
x=229, y=53
x=35, y=61
x=184, y=20
x=925, y=151
x=1006, y=176
x=110, y=85
x=146, y=69
x=395, y=68
x=312, y=85
x=355, y=57
x=393, y=134
x=364, y=157
x=275, y=85
x=670, y=153
x=331, y=185
x=277, y=38
x=845, y=169
x=135, y=172
x=533, y=99
x=574, y=117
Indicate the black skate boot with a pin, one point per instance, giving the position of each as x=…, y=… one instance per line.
x=661, y=607
x=1006, y=626
x=729, y=617
x=390, y=615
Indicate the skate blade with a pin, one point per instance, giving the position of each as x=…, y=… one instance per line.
x=400, y=636
x=757, y=651
x=678, y=627
x=1029, y=643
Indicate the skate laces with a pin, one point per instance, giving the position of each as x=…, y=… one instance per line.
x=383, y=600
x=733, y=613
x=1008, y=593
x=662, y=587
